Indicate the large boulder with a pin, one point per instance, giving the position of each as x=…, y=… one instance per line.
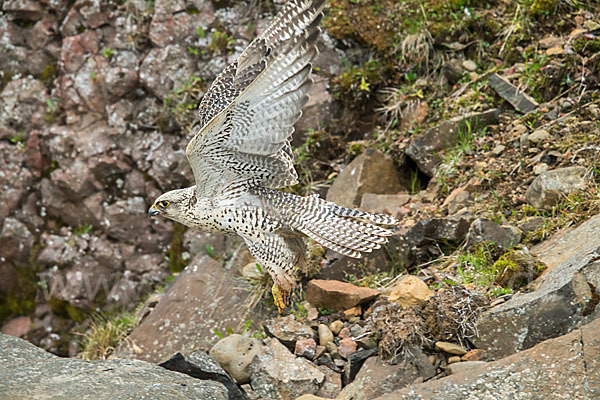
x=370, y=172
x=28, y=372
x=565, y=296
x=204, y=298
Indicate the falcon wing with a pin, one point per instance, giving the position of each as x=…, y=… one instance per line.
x=249, y=112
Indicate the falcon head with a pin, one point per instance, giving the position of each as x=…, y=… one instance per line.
x=173, y=204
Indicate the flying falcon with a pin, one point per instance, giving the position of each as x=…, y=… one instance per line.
x=241, y=154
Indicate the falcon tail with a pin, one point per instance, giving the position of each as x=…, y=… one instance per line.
x=348, y=231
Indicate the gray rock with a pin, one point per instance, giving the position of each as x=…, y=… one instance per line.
x=277, y=374
x=563, y=298
x=325, y=335
x=199, y=365
x=235, y=353
x=424, y=149
x=548, y=188
x=562, y=368
x=287, y=330
x=204, y=297
x=483, y=230
x=16, y=241
x=377, y=377
x=512, y=94
x=459, y=367
x=370, y=172
x=28, y=372
x=452, y=229
x=165, y=69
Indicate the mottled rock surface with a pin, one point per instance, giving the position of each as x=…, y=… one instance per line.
x=336, y=295
x=546, y=190
x=29, y=372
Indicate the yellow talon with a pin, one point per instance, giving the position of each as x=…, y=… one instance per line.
x=281, y=298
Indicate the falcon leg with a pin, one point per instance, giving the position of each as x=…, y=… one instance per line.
x=282, y=298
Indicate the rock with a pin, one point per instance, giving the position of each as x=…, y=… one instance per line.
x=517, y=268
x=336, y=326
x=469, y=65
x=306, y=348
x=353, y=312
x=333, y=383
x=235, y=353
x=458, y=199
x=377, y=377
x=332, y=349
x=287, y=330
x=325, y=334
x=199, y=365
x=498, y=149
x=539, y=136
x=165, y=69
x=458, y=367
x=453, y=360
x=561, y=368
x=203, y=297
x=540, y=168
x=345, y=333
x=532, y=224
x=355, y=363
x=370, y=172
x=18, y=326
x=16, y=241
x=29, y=372
x=483, y=230
x=519, y=100
x=392, y=204
x=336, y=295
x=347, y=347
x=425, y=149
x=475, y=355
x=450, y=348
x=410, y=290
x=452, y=229
x=563, y=297
x=548, y=188
x=276, y=373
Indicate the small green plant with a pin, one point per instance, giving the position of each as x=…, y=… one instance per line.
x=325, y=311
x=18, y=140
x=209, y=250
x=221, y=42
x=83, y=229
x=108, y=52
x=200, y=32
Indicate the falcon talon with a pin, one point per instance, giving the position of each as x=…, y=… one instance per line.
x=241, y=154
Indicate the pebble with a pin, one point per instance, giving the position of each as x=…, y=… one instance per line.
x=332, y=349
x=475, y=355
x=539, y=136
x=325, y=335
x=540, y=168
x=469, y=65
x=453, y=359
x=451, y=348
x=306, y=348
x=499, y=149
x=345, y=333
x=336, y=326
x=353, y=312
x=347, y=347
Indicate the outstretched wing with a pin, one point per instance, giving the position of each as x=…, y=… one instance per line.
x=247, y=116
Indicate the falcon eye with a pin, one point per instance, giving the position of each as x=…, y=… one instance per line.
x=164, y=203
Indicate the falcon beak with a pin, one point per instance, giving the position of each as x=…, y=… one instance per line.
x=152, y=211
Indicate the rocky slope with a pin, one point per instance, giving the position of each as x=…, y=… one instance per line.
x=474, y=123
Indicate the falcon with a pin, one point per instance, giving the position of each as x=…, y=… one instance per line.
x=241, y=154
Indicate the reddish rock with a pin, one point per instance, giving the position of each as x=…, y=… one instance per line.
x=336, y=295
x=75, y=50
x=410, y=290
x=287, y=330
x=475, y=355
x=18, y=326
x=347, y=347
x=353, y=312
x=344, y=333
x=306, y=348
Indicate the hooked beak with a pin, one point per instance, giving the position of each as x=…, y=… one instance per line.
x=152, y=211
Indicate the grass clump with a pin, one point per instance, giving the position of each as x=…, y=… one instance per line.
x=105, y=334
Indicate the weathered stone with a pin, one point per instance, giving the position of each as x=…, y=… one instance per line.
x=539, y=136
x=204, y=297
x=18, y=326
x=333, y=383
x=451, y=348
x=561, y=299
x=458, y=199
x=199, y=365
x=519, y=100
x=458, y=367
x=336, y=295
x=370, y=172
x=410, y=290
x=306, y=348
x=29, y=372
x=548, y=188
x=424, y=149
x=475, y=355
x=555, y=369
x=16, y=241
x=355, y=363
x=483, y=230
x=392, y=204
x=325, y=335
x=276, y=373
x=347, y=347
x=452, y=229
x=377, y=377
x=165, y=69
x=336, y=326
x=287, y=330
